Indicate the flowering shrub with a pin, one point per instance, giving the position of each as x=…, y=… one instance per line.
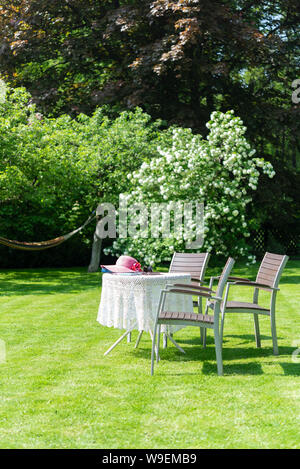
x=221, y=171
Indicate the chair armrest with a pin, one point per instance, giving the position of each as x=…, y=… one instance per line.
x=215, y=277
x=196, y=280
x=216, y=298
x=188, y=292
x=239, y=278
x=231, y=278
x=256, y=285
x=212, y=279
x=188, y=285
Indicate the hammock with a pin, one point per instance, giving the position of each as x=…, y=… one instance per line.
x=51, y=243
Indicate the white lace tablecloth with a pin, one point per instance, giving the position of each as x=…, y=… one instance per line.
x=131, y=301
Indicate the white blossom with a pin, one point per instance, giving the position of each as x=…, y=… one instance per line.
x=220, y=170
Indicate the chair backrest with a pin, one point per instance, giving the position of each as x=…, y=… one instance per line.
x=194, y=264
x=270, y=269
x=224, y=276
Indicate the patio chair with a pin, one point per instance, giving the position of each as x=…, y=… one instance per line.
x=191, y=263
x=194, y=264
x=193, y=319
x=267, y=279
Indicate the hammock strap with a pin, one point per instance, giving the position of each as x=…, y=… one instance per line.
x=39, y=246
x=69, y=235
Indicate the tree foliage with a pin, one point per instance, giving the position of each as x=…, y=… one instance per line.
x=55, y=171
x=179, y=60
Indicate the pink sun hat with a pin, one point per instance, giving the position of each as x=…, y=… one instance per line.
x=123, y=264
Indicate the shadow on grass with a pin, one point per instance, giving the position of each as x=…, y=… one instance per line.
x=292, y=279
x=41, y=282
x=236, y=369
x=245, y=339
x=208, y=358
x=291, y=369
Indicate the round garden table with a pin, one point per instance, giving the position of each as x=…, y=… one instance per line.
x=130, y=301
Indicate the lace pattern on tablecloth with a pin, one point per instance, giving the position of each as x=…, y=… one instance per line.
x=132, y=301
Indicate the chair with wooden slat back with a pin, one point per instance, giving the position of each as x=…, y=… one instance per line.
x=204, y=321
x=194, y=264
x=267, y=279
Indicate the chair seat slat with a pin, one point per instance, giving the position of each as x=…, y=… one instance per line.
x=189, y=261
x=187, y=267
x=190, y=255
x=244, y=305
x=267, y=280
x=193, y=272
x=270, y=267
x=267, y=275
x=267, y=271
x=271, y=264
x=194, y=317
x=274, y=256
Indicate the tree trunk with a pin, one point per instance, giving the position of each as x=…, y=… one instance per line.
x=96, y=254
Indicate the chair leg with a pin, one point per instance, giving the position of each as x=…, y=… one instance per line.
x=256, y=329
x=200, y=312
x=222, y=327
x=204, y=328
x=204, y=338
x=158, y=343
x=218, y=346
x=153, y=349
x=165, y=340
x=274, y=334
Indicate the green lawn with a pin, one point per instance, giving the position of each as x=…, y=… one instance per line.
x=59, y=391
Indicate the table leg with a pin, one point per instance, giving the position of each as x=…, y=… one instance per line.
x=165, y=339
x=138, y=339
x=129, y=338
x=119, y=340
x=175, y=343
